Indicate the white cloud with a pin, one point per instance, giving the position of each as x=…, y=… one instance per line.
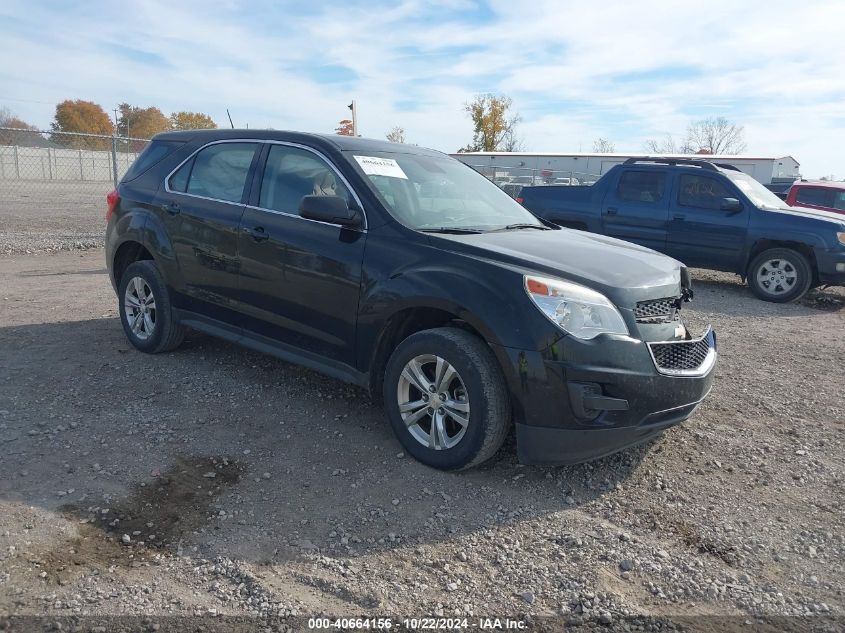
x=622, y=70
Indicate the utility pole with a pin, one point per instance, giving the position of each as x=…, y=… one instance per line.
x=114, y=151
x=354, y=109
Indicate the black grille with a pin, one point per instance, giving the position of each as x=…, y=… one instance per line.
x=657, y=311
x=680, y=356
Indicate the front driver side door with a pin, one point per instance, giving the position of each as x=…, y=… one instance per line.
x=300, y=278
x=700, y=232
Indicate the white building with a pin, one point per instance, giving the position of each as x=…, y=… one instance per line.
x=588, y=167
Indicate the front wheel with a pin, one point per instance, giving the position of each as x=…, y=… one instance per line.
x=446, y=398
x=780, y=275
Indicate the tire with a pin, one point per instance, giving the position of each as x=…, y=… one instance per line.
x=476, y=394
x=156, y=329
x=780, y=275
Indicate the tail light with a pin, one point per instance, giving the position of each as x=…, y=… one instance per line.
x=520, y=199
x=112, y=199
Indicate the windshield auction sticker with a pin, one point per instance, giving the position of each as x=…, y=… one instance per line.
x=375, y=166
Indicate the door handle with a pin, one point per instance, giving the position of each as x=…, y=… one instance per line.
x=612, y=210
x=679, y=216
x=171, y=207
x=259, y=234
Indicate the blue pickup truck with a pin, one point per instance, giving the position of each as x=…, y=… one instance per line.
x=706, y=215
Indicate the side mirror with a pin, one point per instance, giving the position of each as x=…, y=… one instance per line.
x=731, y=205
x=332, y=209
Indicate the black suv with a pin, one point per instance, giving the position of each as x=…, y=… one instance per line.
x=402, y=270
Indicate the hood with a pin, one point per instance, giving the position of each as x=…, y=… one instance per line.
x=836, y=220
x=625, y=272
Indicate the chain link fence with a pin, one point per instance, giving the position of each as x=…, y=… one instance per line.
x=53, y=187
x=513, y=179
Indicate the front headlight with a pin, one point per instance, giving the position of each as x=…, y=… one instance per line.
x=576, y=309
x=841, y=238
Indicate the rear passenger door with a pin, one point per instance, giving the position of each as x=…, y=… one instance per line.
x=300, y=278
x=700, y=232
x=201, y=206
x=636, y=208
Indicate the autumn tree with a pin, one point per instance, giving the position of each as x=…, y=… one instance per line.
x=603, y=146
x=344, y=128
x=396, y=134
x=494, y=126
x=84, y=117
x=12, y=137
x=140, y=122
x=191, y=121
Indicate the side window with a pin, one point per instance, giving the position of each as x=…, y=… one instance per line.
x=179, y=180
x=815, y=196
x=839, y=200
x=702, y=192
x=641, y=186
x=292, y=173
x=219, y=171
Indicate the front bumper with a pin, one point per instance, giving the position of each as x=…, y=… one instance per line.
x=831, y=266
x=580, y=400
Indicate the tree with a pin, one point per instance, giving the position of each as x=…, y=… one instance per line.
x=716, y=135
x=344, y=128
x=512, y=143
x=11, y=137
x=396, y=134
x=494, y=128
x=140, y=122
x=667, y=146
x=603, y=146
x=84, y=117
x=191, y=121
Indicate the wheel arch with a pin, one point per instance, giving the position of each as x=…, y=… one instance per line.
x=128, y=252
x=765, y=244
x=409, y=320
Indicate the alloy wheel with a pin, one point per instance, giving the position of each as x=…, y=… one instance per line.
x=433, y=402
x=140, y=307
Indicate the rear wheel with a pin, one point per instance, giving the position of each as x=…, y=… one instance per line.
x=446, y=398
x=780, y=275
x=145, y=310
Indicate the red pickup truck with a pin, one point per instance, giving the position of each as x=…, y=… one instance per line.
x=824, y=195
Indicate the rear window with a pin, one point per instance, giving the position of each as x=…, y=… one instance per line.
x=152, y=154
x=641, y=186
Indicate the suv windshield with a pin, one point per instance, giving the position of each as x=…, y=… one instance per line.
x=433, y=193
x=757, y=193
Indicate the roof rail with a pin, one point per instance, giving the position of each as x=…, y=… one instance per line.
x=704, y=164
x=728, y=166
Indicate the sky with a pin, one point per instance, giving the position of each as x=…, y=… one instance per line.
x=576, y=71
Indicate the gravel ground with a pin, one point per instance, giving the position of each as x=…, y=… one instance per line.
x=214, y=480
x=45, y=216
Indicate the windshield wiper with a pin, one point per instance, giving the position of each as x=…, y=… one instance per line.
x=511, y=227
x=452, y=229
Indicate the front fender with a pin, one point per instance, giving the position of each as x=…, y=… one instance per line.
x=492, y=301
